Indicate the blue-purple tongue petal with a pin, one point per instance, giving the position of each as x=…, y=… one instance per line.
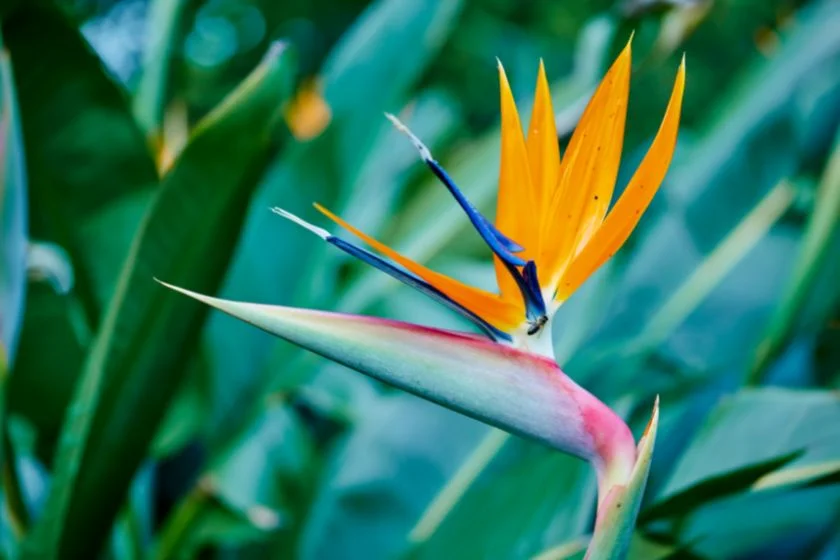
x=500, y=244
x=398, y=273
x=418, y=284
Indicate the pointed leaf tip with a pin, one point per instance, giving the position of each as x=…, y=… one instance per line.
x=653, y=423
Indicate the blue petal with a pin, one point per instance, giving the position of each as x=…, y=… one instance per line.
x=532, y=285
x=418, y=284
x=500, y=244
x=395, y=272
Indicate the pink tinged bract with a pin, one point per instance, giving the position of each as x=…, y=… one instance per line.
x=620, y=502
x=517, y=391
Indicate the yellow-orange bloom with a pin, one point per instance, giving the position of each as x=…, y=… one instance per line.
x=552, y=228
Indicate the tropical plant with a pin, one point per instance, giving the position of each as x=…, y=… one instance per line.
x=137, y=423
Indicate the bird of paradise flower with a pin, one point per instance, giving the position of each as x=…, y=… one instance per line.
x=553, y=229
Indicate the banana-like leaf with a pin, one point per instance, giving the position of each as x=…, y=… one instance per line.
x=514, y=390
x=147, y=340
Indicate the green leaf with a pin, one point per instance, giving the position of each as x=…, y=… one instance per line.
x=396, y=40
x=754, y=433
x=42, y=383
x=84, y=150
x=763, y=130
x=258, y=480
x=526, y=499
x=376, y=484
x=253, y=477
x=715, y=267
x=13, y=219
x=781, y=522
x=392, y=41
x=163, y=27
x=713, y=488
x=90, y=180
x=816, y=244
x=212, y=522
x=148, y=336
x=13, y=245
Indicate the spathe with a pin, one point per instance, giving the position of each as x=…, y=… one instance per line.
x=517, y=391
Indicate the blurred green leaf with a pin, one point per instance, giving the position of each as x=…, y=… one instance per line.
x=13, y=244
x=780, y=522
x=528, y=498
x=164, y=25
x=377, y=62
x=13, y=220
x=43, y=384
x=716, y=266
x=258, y=481
x=783, y=110
x=253, y=477
x=816, y=244
x=215, y=523
x=146, y=340
x=383, y=475
x=90, y=179
x=713, y=488
x=84, y=150
x=755, y=432
x=449, y=496
x=397, y=40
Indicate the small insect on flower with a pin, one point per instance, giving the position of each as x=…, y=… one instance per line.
x=552, y=228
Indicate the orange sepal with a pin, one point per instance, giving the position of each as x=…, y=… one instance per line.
x=588, y=171
x=543, y=158
x=515, y=207
x=502, y=314
x=629, y=208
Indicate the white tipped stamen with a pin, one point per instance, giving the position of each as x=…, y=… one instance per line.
x=425, y=154
x=320, y=232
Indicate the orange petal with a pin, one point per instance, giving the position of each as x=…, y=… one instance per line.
x=515, y=209
x=543, y=157
x=636, y=197
x=588, y=171
x=501, y=314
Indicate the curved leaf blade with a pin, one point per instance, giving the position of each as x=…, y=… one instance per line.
x=13, y=216
x=146, y=340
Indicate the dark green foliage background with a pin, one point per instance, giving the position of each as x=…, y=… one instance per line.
x=136, y=424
